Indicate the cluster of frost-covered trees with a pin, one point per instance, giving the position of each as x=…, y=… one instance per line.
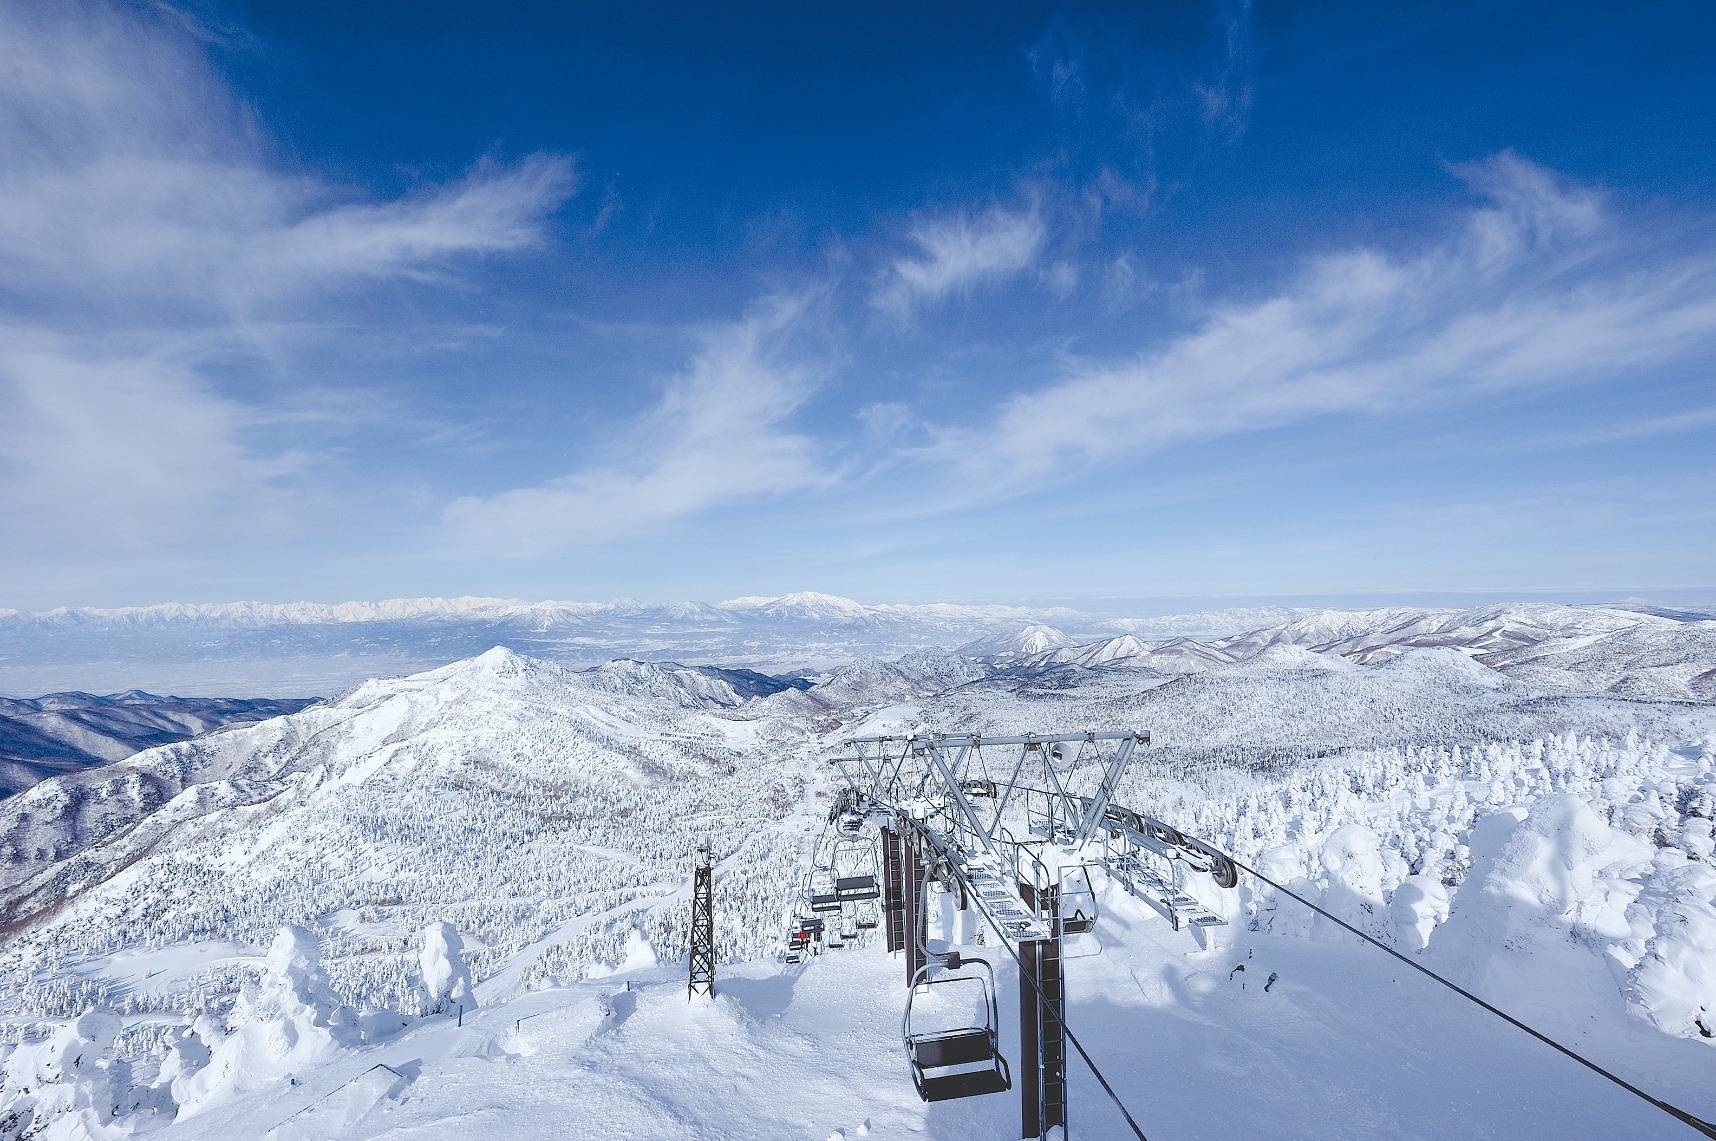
x=1470, y=855
x=73, y=1084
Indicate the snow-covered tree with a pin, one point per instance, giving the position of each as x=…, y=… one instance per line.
x=70, y=1087
x=446, y=977
x=287, y=1022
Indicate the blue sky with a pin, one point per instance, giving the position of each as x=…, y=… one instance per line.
x=995, y=302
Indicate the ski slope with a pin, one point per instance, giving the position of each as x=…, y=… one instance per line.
x=1339, y=1045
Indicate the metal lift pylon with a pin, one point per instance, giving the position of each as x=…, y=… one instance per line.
x=1042, y=1030
x=702, y=979
x=916, y=927
x=894, y=887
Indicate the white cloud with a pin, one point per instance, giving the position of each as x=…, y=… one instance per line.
x=146, y=234
x=718, y=435
x=1541, y=285
x=956, y=253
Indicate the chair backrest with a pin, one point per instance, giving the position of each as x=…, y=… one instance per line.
x=956, y=1048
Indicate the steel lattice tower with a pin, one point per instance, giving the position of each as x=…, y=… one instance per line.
x=702, y=923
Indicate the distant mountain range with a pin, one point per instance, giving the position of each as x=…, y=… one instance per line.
x=60, y=733
x=304, y=649
x=1605, y=649
x=307, y=648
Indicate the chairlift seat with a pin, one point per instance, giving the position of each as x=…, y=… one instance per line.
x=975, y=1083
x=973, y=1047
x=829, y=902
x=856, y=887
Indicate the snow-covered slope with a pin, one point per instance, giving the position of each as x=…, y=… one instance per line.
x=535, y=807
x=1605, y=649
x=64, y=732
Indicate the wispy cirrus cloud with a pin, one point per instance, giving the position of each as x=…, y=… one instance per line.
x=719, y=434
x=958, y=252
x=146, y=233
x=1543, y=284
x=133, y=176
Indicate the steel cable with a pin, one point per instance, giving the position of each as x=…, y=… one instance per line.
x=1071, y=1037
x=1679, y=1114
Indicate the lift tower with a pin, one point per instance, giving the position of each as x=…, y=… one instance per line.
x=702, y=923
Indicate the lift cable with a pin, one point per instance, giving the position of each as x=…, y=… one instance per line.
x=1071, y=1037
x=1679, y=1114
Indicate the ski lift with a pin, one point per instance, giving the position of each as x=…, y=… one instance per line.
x=854, y=864
x=954, y=1054
x=867, y=916
x=821, y=892
x=849, y=888
x=1078, y=912
x=1221, y=868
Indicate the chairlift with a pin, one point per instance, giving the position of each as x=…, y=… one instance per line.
x=961, y=1059
x=1078, y=911
x=854, y=869
x=821, y=893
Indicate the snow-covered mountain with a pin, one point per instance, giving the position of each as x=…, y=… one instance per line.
x=544, y=811
x=64, y=732
x=1469, y=812
x=1603, y=649
x=315, y=649
x=304, y=649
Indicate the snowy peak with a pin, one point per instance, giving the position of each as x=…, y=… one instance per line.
x=804, y=605
x=1039, y=639
x=1028, y=641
